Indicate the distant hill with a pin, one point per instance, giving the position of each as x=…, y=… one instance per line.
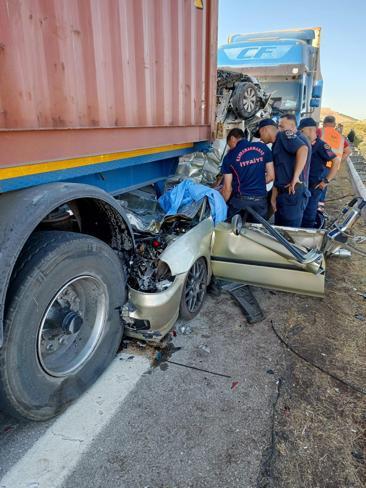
x=340, y=118
x=360, y=129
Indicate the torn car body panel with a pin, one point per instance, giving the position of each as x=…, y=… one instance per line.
x=338, y=233
x=196, y=243
x=254, y=258
x=154, y=314
x=308, y=238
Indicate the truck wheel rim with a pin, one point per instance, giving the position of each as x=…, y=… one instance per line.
x=249, y=99
x=195, y=286
x=72, y=325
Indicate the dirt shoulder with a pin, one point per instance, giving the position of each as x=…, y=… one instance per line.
x=319, y=433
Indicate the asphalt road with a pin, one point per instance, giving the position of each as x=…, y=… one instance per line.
x=165, y=427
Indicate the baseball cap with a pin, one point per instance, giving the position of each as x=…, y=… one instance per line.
x=263, y=123
x=307, y=122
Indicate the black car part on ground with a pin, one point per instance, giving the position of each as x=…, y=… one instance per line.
x=246, y=300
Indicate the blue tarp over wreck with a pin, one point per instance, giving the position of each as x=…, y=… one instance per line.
x=189, y=191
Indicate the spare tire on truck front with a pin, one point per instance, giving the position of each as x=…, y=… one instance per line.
x=245, y=100
x=62, y=325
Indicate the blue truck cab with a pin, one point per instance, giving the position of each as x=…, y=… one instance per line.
x=286, y=63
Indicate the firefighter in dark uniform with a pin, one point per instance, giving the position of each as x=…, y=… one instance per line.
x=247, y=168
x=289, y=122
x=322, y=158
x=290, y=193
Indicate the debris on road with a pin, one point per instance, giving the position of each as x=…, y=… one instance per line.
x=358, y=455
x=204, y=348
x=158, y=356
x=163, y=354
x=184, y=329
x=246, y=300
x=195, y=368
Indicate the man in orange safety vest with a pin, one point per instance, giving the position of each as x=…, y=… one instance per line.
x=337, y=142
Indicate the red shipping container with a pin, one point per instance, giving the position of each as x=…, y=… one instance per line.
x=87, y=77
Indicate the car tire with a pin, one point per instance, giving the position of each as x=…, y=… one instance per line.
x=58, y=273
x=194, y=290
x=245, y=101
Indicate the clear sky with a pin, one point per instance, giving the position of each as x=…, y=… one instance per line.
x=343, y=42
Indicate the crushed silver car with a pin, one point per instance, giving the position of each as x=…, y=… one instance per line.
x=176, y=256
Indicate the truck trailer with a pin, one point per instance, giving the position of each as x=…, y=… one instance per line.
x=96, y=98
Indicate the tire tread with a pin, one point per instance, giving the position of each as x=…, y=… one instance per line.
x=40, y=243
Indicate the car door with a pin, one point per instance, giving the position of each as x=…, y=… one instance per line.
x=281, y=258
x=254, y=256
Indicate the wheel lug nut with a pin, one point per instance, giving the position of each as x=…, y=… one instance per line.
x=49, y=347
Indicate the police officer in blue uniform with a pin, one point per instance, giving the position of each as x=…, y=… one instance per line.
x=290, y=193
x=246, y=168
x=322, y=158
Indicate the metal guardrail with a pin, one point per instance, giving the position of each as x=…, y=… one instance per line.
x=357, y=169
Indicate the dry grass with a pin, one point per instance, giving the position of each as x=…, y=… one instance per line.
x=320, y=425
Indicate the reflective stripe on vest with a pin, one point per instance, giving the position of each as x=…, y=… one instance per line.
x=334, y=139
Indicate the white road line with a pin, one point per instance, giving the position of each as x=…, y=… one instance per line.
x=54, y=456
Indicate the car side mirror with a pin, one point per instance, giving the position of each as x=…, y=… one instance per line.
x=236, y=224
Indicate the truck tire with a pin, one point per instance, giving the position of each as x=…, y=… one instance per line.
x=245, y=100
x=194, y=290
x=62, y=326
